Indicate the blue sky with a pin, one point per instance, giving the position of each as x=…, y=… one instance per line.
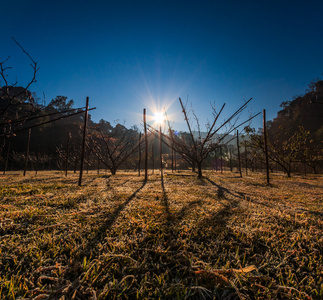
x=130, y=55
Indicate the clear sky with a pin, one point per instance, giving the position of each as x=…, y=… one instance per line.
x=130, y=55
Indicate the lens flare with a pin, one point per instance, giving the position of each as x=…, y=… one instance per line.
x=159, y=117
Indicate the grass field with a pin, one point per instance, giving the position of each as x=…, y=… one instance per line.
x=220, y=237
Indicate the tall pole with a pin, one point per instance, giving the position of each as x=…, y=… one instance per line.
x=146, y=146
x=84, y=137
x=266, y=149
x=27, y=151
x=239, y=161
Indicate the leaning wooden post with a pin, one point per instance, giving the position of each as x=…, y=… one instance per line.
x=239, y=161
x=27, y=151
x=146, y=146
x=84, y=137
x=265, y=142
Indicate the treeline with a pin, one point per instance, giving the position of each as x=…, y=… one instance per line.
x=295, y=136
x=55, y=140
x=52, y=127
x=295, y=139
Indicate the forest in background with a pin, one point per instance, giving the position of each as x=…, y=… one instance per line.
x=295, y=136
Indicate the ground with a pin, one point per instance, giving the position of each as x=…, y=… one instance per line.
x=219, y=237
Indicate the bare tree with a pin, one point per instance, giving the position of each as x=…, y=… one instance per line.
x=113, y=148
x=192, y=146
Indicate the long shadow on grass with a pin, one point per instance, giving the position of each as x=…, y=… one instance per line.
x=110, y=219
x=221, y=192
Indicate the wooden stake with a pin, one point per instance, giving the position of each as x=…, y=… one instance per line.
x=84, y=137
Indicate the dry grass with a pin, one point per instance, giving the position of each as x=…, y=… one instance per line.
x=220, y=237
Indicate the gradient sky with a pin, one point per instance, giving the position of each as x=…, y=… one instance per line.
x=130, y=55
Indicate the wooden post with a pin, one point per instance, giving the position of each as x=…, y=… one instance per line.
x=7, y=158
x=160, y=152
x=146, y=146
x=84, y=137
x=67, y=151
x=27, y=151
x=266, y=149
x=139, y=158
x=239, y=161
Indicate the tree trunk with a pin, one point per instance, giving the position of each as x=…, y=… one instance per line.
x=199, y=168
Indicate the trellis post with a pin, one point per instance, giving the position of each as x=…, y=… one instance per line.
x=84, y=137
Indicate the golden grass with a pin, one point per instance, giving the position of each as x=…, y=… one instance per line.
x=117, y=237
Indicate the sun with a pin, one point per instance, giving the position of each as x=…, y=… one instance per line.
x=159, y=117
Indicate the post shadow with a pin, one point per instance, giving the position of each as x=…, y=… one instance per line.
x=110, y=220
